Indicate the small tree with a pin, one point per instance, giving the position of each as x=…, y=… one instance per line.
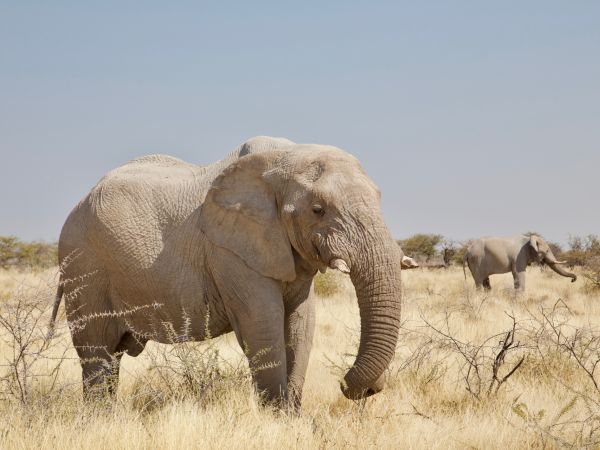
x=585, y=252
x=461, y=250
x=556, y=248
x=14, y=252
x=8, y=246
x=577, y=253
x=591, y=272
x=591, y=269
x=448, y=249
x=421, y=245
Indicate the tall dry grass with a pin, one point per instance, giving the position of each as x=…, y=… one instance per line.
x=472, y=370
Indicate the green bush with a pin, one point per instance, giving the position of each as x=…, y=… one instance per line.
x=459, y=254
x=583, y=251
x=17, y=253
x=421, y=245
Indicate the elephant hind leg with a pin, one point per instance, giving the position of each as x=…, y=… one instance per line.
x=97, y=341
x=96, y=334
x=100, y=365
x=475, y=274
x=100, y=375
x=131, y=344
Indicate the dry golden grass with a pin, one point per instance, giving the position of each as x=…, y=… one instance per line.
x=548, y=402
x=12, y=280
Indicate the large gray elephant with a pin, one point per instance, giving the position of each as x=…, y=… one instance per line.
x=161, y=247
x=493, y=255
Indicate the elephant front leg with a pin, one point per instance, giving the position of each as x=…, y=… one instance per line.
x=299, y=332
x=264, y=346
x=519, y=278
x=100, y=372
x=267, y=361
x=261, y=336
x=263, y=343
x=256, y=314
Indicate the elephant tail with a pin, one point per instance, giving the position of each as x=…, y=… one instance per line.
x=57, y=299
x=464, y=264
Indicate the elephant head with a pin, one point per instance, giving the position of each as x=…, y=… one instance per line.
x=312, y=206
x=542, y=253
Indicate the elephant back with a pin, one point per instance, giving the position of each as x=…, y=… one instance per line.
x=134, y=210
x=165, y=160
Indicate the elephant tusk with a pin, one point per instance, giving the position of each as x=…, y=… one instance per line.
x=408, y=263
x=555, y=262
x=340, y=265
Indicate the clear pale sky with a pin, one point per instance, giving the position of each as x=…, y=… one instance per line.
x=474, y=118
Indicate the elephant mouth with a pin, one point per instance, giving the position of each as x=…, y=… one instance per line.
x=332, y=262
x=318, y=259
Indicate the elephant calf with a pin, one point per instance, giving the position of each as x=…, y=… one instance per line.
x=493, y=255
x=164, y=247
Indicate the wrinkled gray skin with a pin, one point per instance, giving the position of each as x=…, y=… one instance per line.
x=493, y=255
x=169, y=250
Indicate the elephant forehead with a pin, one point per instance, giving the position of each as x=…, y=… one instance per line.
x=330, y=167
x=351, y=186
x=325, y=154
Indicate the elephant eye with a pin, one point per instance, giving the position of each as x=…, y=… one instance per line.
x=318, y=210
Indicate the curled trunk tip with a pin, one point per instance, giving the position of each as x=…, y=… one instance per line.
x=559, y=270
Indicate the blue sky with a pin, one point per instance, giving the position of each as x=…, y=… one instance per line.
x=474, y=118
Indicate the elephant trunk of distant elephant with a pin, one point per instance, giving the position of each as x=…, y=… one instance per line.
x=376, y=278
x=559, y=270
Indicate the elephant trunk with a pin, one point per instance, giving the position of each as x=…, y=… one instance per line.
x=376, y=279
x=559, y=270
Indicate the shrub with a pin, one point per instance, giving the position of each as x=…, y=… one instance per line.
x=557, y=249
x=33, y=359
x=591, y=271
x=17, y=253
x=585, y=252
x=459, y=254
x=576, y=254
x=421, y=245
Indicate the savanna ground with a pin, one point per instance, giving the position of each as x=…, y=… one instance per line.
x=472, y=370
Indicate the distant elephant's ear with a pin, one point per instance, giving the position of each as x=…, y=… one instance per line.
x=240, y=214
x=534, y=242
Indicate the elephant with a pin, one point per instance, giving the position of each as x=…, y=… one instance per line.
x=161, y=247
x=494, y=255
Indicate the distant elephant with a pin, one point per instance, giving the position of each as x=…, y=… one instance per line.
x=493, y=255
x=160, y=247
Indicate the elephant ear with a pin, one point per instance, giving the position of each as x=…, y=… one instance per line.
x=240, y=213
x=534, y=243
